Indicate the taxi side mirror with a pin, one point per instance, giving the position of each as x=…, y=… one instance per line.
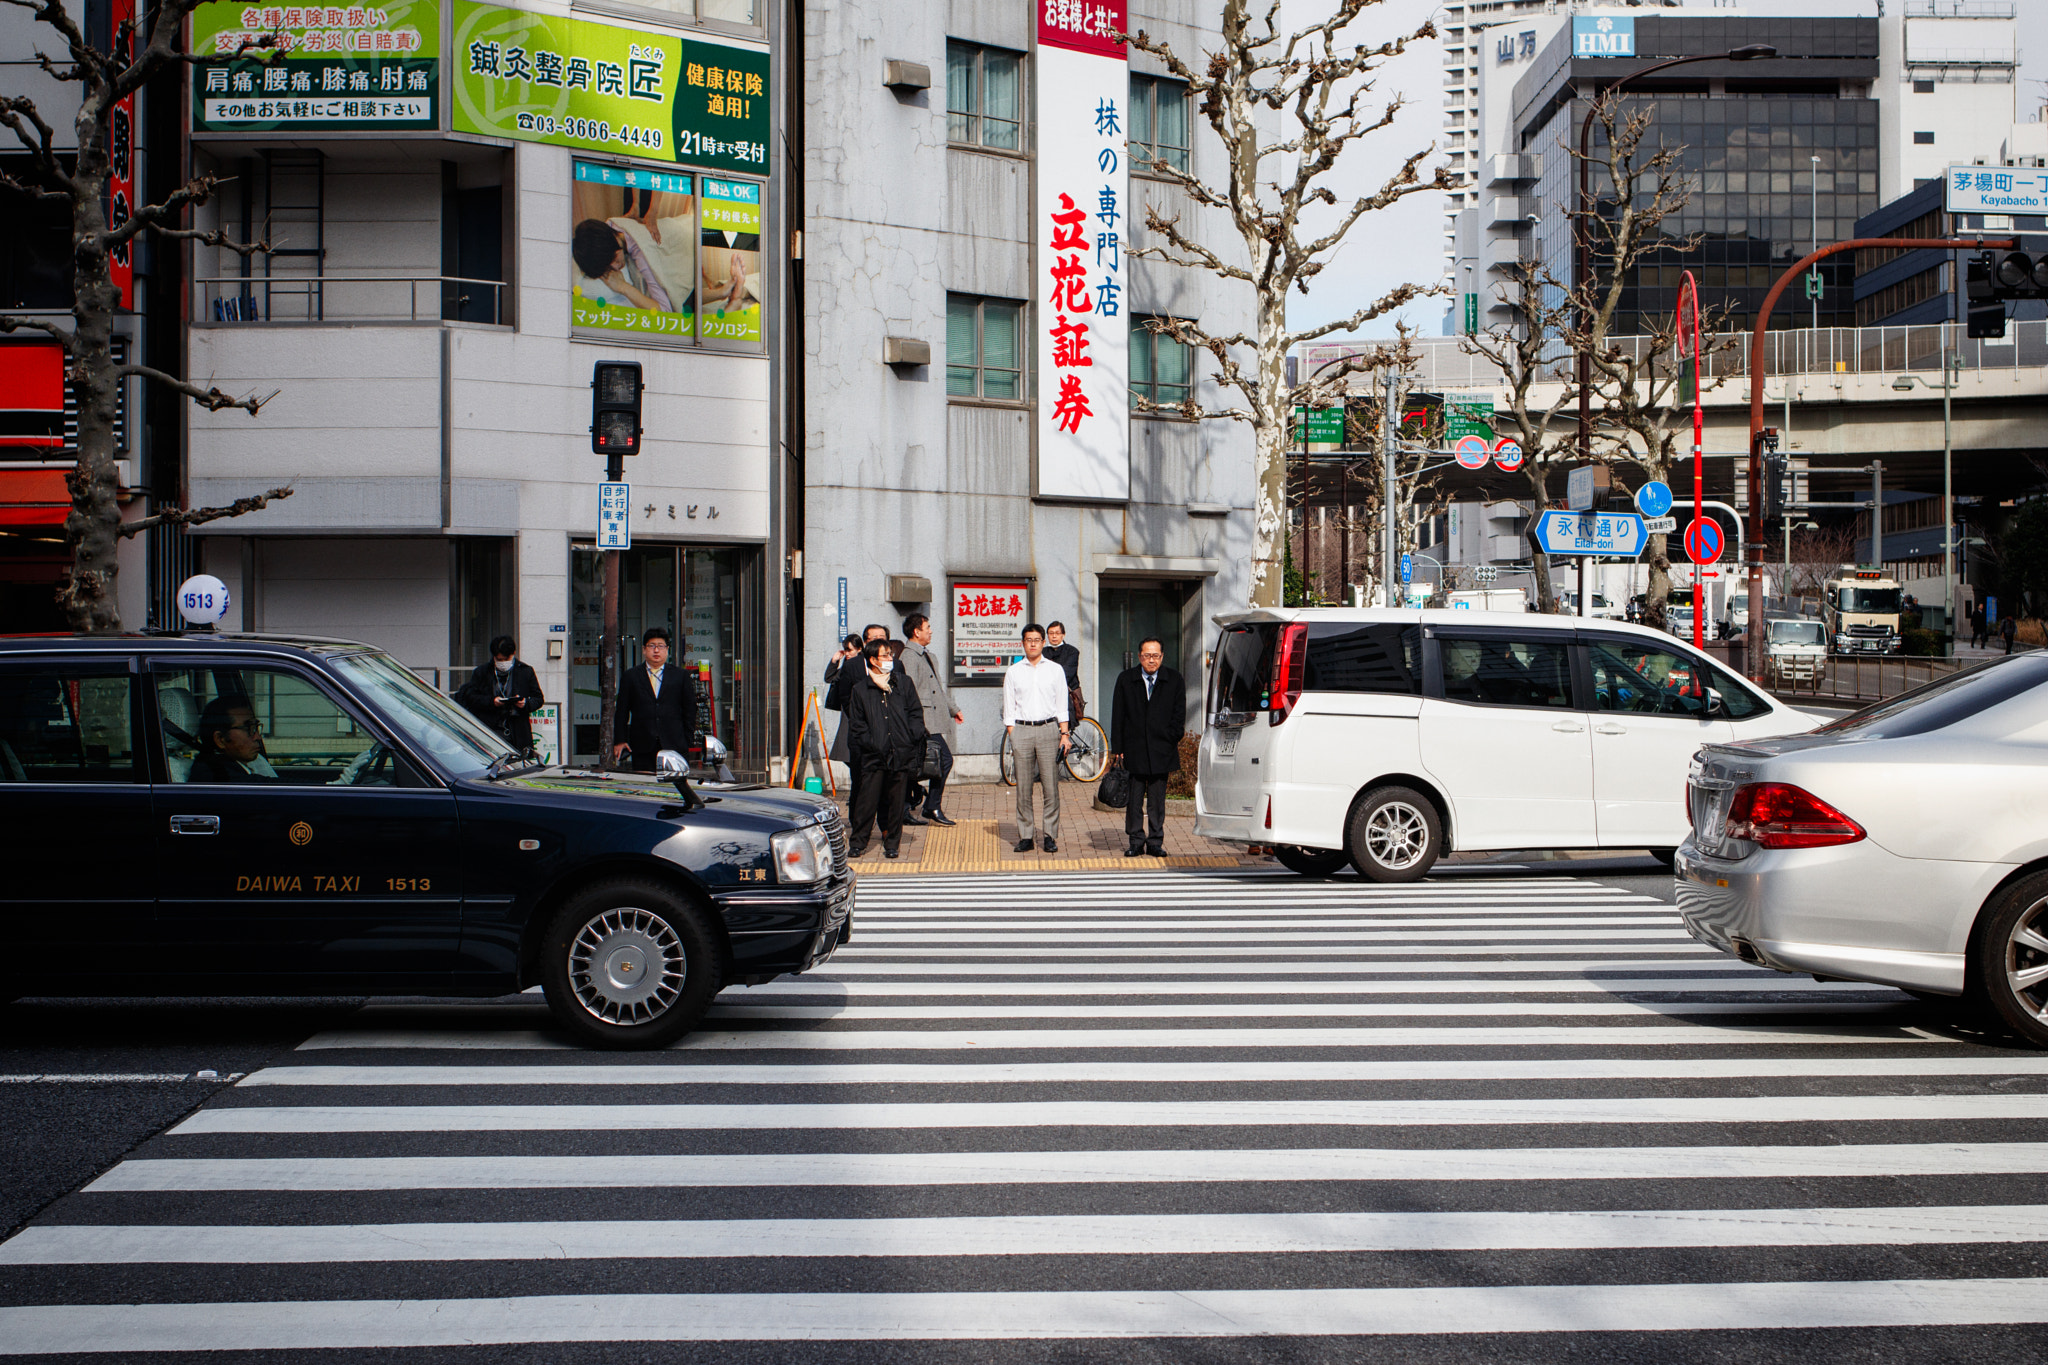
x=670, y=766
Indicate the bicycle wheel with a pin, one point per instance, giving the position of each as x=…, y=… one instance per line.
x=1009, y=762
x=1087, y=756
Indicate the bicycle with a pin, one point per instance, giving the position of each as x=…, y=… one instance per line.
x=1086, y=758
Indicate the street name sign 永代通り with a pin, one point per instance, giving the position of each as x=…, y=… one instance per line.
x=1605, y=534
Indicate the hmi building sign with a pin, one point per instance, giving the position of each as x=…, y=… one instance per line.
x=1603, y=37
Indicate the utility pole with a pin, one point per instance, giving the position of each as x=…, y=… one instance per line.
x=1390, y=431
x=1877, y=514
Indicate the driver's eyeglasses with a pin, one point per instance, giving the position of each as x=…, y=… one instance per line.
x=252, y=727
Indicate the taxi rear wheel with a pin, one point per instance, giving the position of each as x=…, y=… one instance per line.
x=2011, y=951
x=1395, y=835
x=629, y=964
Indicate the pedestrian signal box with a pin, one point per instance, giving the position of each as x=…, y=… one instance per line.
x=615, y=389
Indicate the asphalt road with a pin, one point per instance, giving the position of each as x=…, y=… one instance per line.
x=1512, y=1114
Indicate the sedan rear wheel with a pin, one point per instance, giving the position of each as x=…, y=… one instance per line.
x=1395, y=835
x=629, y=964
x=2011, y=966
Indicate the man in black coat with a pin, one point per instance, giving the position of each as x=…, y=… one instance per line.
x=885, y=719
x=503, y=694
x=1147, y=714
x=657, y=705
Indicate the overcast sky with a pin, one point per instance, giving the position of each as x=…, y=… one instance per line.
x=1405, y=243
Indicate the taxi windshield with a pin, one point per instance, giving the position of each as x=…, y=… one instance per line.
x=434, y=724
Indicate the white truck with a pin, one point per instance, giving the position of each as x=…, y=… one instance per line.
x=1489, y=599
x=1797, y=650
x=1860, y=608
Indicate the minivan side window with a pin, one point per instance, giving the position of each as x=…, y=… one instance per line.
x=1504, y=672
x=1244, y=667
x=66, y=723
x=1346, y=656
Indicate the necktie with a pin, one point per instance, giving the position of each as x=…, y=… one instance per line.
x=1149, y=678
x=654, y=680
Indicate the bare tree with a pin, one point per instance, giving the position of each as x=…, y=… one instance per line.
x=1527, y=352
x=1320, y=88
x=139, y=49
x=1638, y=389
x=1817, y=556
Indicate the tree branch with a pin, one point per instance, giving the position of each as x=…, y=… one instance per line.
x=176, y=516
x=213, y=400
x=9, y=323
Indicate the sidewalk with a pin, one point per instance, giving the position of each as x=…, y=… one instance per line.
x=985, y=840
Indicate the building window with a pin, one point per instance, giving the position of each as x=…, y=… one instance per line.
x=1923, y=139
x=1923, y=87
x=984, y=97
x=1159, y=122
x=1162, y=368
x=984, y=347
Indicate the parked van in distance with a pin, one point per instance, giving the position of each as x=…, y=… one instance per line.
x=1386, y=738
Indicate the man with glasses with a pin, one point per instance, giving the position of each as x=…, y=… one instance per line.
x=231, y=744
x=1148, y=711
x=1035, y=717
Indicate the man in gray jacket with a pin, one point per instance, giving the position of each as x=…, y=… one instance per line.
x=921, y=667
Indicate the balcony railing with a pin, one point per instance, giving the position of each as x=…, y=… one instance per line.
x=288, y=299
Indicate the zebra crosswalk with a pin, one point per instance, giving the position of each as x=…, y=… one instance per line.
x=1108, y=1117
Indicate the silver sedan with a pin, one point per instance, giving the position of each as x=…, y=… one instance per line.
x=1906, y=845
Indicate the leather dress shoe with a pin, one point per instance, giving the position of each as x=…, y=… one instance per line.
x=1134, y=851
x=1052, y=846
x=1023, y=845
x=939, y=817
x=910, y=819
x=1155, y=851
x=890, y=853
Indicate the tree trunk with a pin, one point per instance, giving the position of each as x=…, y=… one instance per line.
x=1269, y=508
x=1539, y=503
x=91, y=531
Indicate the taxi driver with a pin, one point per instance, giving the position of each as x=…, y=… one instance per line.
x=231, y=744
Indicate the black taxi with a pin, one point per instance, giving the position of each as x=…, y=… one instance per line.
x=222, y=814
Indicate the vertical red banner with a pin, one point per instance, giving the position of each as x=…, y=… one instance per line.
x=121, y=150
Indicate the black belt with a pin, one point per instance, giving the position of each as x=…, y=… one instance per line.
x=1050, y=720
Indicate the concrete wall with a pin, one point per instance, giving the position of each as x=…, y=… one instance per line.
x=1971, y=109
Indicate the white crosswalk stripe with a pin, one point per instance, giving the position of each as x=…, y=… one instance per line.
x=1095, y=1108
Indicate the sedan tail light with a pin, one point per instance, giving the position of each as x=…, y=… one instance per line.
x=1780, y=815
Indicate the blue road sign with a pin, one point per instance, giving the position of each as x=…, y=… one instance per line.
x=614, y=529
x=1407, y=569
x=1653, y=499
x=1704, y=540
x=1617, y=535
x=1471, y=452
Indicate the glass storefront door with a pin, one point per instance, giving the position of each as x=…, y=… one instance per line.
x=709, y=599
x=1131, y=611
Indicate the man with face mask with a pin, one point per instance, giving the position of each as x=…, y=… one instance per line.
x=503, y=694
x=886, y=724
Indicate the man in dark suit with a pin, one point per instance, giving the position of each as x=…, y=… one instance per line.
x=504, y=693
x=657, y=705
x=1147, y=713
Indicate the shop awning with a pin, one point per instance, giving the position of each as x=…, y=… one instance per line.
x=31, y=395
x=33, y=497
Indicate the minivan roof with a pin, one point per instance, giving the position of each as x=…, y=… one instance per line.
x=1440, y=616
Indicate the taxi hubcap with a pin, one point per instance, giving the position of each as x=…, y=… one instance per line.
x=627, y=966
x=2026, y=960
x=1396, y=835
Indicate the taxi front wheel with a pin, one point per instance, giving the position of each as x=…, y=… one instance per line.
x=629, y=964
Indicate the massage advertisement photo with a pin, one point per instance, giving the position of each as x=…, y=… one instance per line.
x=632, y=250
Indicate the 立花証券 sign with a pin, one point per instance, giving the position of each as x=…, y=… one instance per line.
x=1081, y=219
x=988, y=620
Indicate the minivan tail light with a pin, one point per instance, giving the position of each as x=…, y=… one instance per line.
x=1290, y=662
x=1780, y=815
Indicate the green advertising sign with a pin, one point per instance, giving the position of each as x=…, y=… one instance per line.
x=1471, y=321
x=332, y=67
x=600, y=87
x=1467, y=417
x=1325, y=426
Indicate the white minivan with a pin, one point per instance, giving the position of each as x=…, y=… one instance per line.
x=1386, y=737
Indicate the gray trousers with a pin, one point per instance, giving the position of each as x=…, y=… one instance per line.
x=1037, y=748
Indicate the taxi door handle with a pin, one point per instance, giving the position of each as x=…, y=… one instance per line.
x=1610, y=728
x=195, y=824
x=1569, y=727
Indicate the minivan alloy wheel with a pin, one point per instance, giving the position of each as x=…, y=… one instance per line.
x=1398, y=835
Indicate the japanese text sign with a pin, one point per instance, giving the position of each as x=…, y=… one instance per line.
x=1997, y=189
x=602, y=87
x=614, y=516
x=989, y=617
x=1081, y=222
x=332, y=67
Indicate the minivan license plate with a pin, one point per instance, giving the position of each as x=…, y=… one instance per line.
x=1226, y=743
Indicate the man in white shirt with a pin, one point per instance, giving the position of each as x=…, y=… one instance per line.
x=1035, y=718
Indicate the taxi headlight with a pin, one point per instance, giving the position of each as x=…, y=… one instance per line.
x=802, y=855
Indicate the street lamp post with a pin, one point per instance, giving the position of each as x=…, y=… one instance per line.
x=1951, y=361
x=1581, y=247
x=1789, y=529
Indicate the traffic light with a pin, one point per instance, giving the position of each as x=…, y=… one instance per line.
x=1774, y=486
x=1986, y=316
x=615, y=407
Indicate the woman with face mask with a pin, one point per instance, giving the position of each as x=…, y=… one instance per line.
x=503, y=694
x=885, y=724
